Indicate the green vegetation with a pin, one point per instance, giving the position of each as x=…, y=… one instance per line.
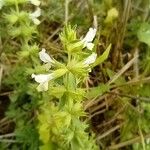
x=74, y=75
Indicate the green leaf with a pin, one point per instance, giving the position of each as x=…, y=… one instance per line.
x=103, y=57
x=44, y=132
x=75, y=46
x=58, y=92
x=48, y=146
x=28, y=136
x=97, y=91
x=143, y=33
x=111, y=74
x=59, y=72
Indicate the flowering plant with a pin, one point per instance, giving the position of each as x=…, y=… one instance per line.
x=60, y=126
x=81, y=63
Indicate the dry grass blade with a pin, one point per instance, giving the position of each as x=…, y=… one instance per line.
x=109, y=132
x=127, y=66
x=129, y=142
x=1, y=74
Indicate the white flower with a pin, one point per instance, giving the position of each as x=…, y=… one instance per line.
x=43, y=79
x=35, y=15
x=90, y=35
x=89, y=38
x=35, y=2
x=45, y=57
x=89, y=60
x=89, y=46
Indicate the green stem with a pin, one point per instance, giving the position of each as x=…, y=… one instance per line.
x=16, y=5
x=66, y=11
x=69, y=83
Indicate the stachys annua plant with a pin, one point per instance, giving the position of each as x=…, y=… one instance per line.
x=60, y=127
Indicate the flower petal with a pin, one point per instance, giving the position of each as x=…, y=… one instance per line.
x=36, y=13
x=36, y=21
x=90, y=35
x=44, y=56
x=35, y=2
x=90, y=46
x=91, y=59
x=41, y=78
